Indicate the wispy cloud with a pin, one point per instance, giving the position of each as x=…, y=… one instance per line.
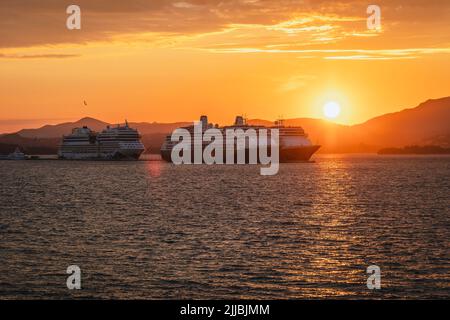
x=185, y=5
x=228, y=26
x=355, y=54
x=38, y=56
x=368, y=57
x=296, y=82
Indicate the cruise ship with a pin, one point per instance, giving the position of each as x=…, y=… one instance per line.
x=113, y=143
x=294, y=144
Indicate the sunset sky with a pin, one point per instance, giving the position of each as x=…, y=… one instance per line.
x=166, y=61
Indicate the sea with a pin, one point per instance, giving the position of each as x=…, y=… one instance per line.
x=153, y=230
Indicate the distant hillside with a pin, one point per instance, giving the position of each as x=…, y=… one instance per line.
x=426, y=124
x=58, y=130
x=442, y=140
x=155, y=128
x=416, y=150
x=408, y=127
x=9, y=142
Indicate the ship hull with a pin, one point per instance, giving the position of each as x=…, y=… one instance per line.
x=297, y=154
x=128, y=155
x=119, y=155
x=287, y=155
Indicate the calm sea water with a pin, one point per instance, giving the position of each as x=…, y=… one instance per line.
x=153, y=230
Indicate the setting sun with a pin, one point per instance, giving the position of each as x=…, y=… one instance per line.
x=331, y=110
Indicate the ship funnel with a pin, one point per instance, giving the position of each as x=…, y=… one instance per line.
x=239, y=121
x=204, y=121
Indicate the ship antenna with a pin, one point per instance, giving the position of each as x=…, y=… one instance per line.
x=280, y=121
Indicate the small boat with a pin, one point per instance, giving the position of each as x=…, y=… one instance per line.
x=16, y=155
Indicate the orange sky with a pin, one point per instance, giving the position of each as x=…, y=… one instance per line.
x=171, y=61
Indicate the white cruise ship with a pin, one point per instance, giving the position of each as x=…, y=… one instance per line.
x=113, y=143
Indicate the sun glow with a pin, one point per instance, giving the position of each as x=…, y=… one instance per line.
x=331, y=110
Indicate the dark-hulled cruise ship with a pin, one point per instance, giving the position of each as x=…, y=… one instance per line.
x=113, y=143
x=294, y=144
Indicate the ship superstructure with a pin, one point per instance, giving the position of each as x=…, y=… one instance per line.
x=113, y=143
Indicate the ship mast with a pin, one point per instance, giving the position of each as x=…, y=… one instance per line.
x=279, y=122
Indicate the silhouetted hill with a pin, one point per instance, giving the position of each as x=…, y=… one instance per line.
x=155, y=128
x=442, y=140
x=58, y=130
x=408, y=127
x=416, y=150
x=9, y=142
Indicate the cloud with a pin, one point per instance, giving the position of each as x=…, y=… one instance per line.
x=239, y=24
x=39, y=56
x=348, y=54
x=369, y=57
x=296, y=82
x=186, y=5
